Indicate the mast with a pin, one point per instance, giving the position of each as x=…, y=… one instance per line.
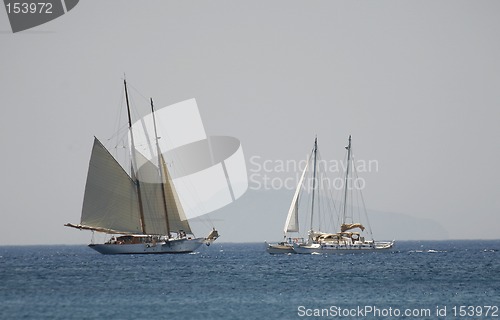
x=314, y=179
x=134, y=177
x=161, y=164
x=346, y=177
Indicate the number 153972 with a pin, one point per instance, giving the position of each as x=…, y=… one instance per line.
x=29, y=7
x=475, y=311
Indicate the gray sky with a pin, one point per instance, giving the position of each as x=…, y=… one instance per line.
x=415, y=82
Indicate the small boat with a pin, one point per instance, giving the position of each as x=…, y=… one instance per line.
x=345, y=240
x=141, y=211
x=292, y=219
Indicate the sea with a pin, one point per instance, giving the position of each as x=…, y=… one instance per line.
x=417, y=280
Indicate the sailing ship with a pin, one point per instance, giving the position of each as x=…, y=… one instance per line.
x=140, y=212
x=346, y=240
x=292, y=220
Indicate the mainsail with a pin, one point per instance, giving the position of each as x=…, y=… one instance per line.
x=292, y=220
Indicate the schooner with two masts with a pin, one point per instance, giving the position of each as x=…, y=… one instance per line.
x=141, y=211
x=346, y=240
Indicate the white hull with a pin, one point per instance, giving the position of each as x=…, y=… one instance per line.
x=172, y=246
x=280, y=248
x=335, y=249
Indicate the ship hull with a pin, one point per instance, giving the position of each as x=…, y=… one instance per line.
x=336, y=249
x=280, y=248
x=172, y=246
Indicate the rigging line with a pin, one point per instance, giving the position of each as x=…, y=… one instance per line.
x=134, y=109
x=341, y=199
x=351, y=191
x=323, y=212
x=356, y=197
x=365, y=211
x=314, y=178
x=350, y=201
x=336, y=211
x=358, y=190
x=318, y=189
x=119, y=133
x=320, y=222
x=307, y=189
x=303, y=202
x=324, y=216
x=118, y=119
x=330, y=204
x=330, y=213
x=138, y=92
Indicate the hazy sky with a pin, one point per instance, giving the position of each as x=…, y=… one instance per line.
x=417, y=84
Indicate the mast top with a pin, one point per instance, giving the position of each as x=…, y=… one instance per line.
x=349, y=145
x=128, y=105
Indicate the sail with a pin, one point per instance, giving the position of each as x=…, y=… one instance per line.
x=153, y=209
x=292, y=220
x=176, y=216
x=155, y=218
x=348, y=226
x=110, y=200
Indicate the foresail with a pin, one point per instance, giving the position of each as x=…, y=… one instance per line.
x=110, y=200
x=292, y=220
x=292, y=224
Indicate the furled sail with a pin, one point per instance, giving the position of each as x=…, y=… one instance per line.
x=292, y=220
x=110, y=200
x=348, y=226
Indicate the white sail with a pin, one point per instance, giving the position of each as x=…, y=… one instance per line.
x=292, y=220
x=110, y=200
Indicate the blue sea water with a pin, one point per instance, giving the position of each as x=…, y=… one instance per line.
x=242, y=281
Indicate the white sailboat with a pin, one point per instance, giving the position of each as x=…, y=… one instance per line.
x=346, y=240
x=292, y=219
x=142, y=210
